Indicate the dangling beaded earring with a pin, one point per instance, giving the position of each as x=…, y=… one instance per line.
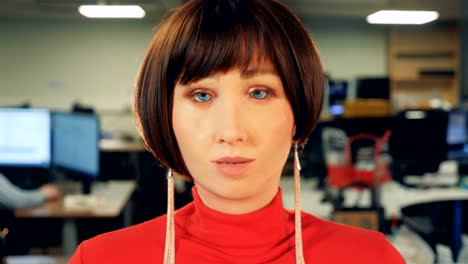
x=169, y=249
x=297, y=208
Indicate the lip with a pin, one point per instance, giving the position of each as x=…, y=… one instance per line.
x=233, y=169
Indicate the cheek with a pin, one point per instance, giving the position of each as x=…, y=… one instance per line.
x=189, y=127
x=281, y=123
x=277, y=139
x=179, y=124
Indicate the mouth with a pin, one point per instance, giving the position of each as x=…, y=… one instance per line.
x=233, y=166
x=236, y=159
x=232, y=163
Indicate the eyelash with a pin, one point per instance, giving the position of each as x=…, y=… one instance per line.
x=192, y=96
x=268, y=92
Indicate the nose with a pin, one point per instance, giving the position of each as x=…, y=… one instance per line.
x=230, y=127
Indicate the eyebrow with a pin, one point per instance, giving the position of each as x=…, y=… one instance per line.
x=246, y=74
x=249, y=73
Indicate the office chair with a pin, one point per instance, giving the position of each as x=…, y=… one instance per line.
x=437, y=222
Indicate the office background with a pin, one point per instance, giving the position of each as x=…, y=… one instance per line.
x=51, y=57
x=54, y=62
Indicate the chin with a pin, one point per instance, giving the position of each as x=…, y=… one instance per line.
x=235, y=188
x=237, y=191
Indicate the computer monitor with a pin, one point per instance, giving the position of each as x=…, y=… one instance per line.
x=418, y=142
x=337, y=93
x=457, y=129
x=25, y=139
x=376, y=87
x=75, y=145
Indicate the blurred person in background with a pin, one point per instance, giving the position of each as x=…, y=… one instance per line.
x=13, y=197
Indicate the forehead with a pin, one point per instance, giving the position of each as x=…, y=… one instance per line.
x=248, y=71
x=262, y=67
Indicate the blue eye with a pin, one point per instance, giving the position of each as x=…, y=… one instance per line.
x=260, y=94
x=201, y=97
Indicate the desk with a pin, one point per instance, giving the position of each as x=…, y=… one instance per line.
x=36, y=260
x=396, y=197
x=114, y=194
x=393, y=197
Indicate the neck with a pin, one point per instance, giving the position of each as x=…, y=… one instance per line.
x=238, y=204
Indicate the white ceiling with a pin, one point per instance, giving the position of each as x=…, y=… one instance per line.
x=340, y=9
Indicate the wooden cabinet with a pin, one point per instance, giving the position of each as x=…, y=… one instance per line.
x=424, y=64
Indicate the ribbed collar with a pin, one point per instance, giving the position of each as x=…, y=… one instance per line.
x=263, y=228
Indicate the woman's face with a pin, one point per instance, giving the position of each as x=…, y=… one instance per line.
x=244, y=117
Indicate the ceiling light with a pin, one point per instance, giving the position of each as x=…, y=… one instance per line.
x=112, y=11
x=402, y=17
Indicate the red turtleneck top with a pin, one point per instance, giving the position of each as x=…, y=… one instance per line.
x=206, y=236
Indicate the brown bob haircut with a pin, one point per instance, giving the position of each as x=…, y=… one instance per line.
x=205, y=37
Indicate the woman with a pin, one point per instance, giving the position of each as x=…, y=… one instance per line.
x=226, y=88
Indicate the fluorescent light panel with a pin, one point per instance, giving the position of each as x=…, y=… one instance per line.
x=402, y=17
x=112, y=11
